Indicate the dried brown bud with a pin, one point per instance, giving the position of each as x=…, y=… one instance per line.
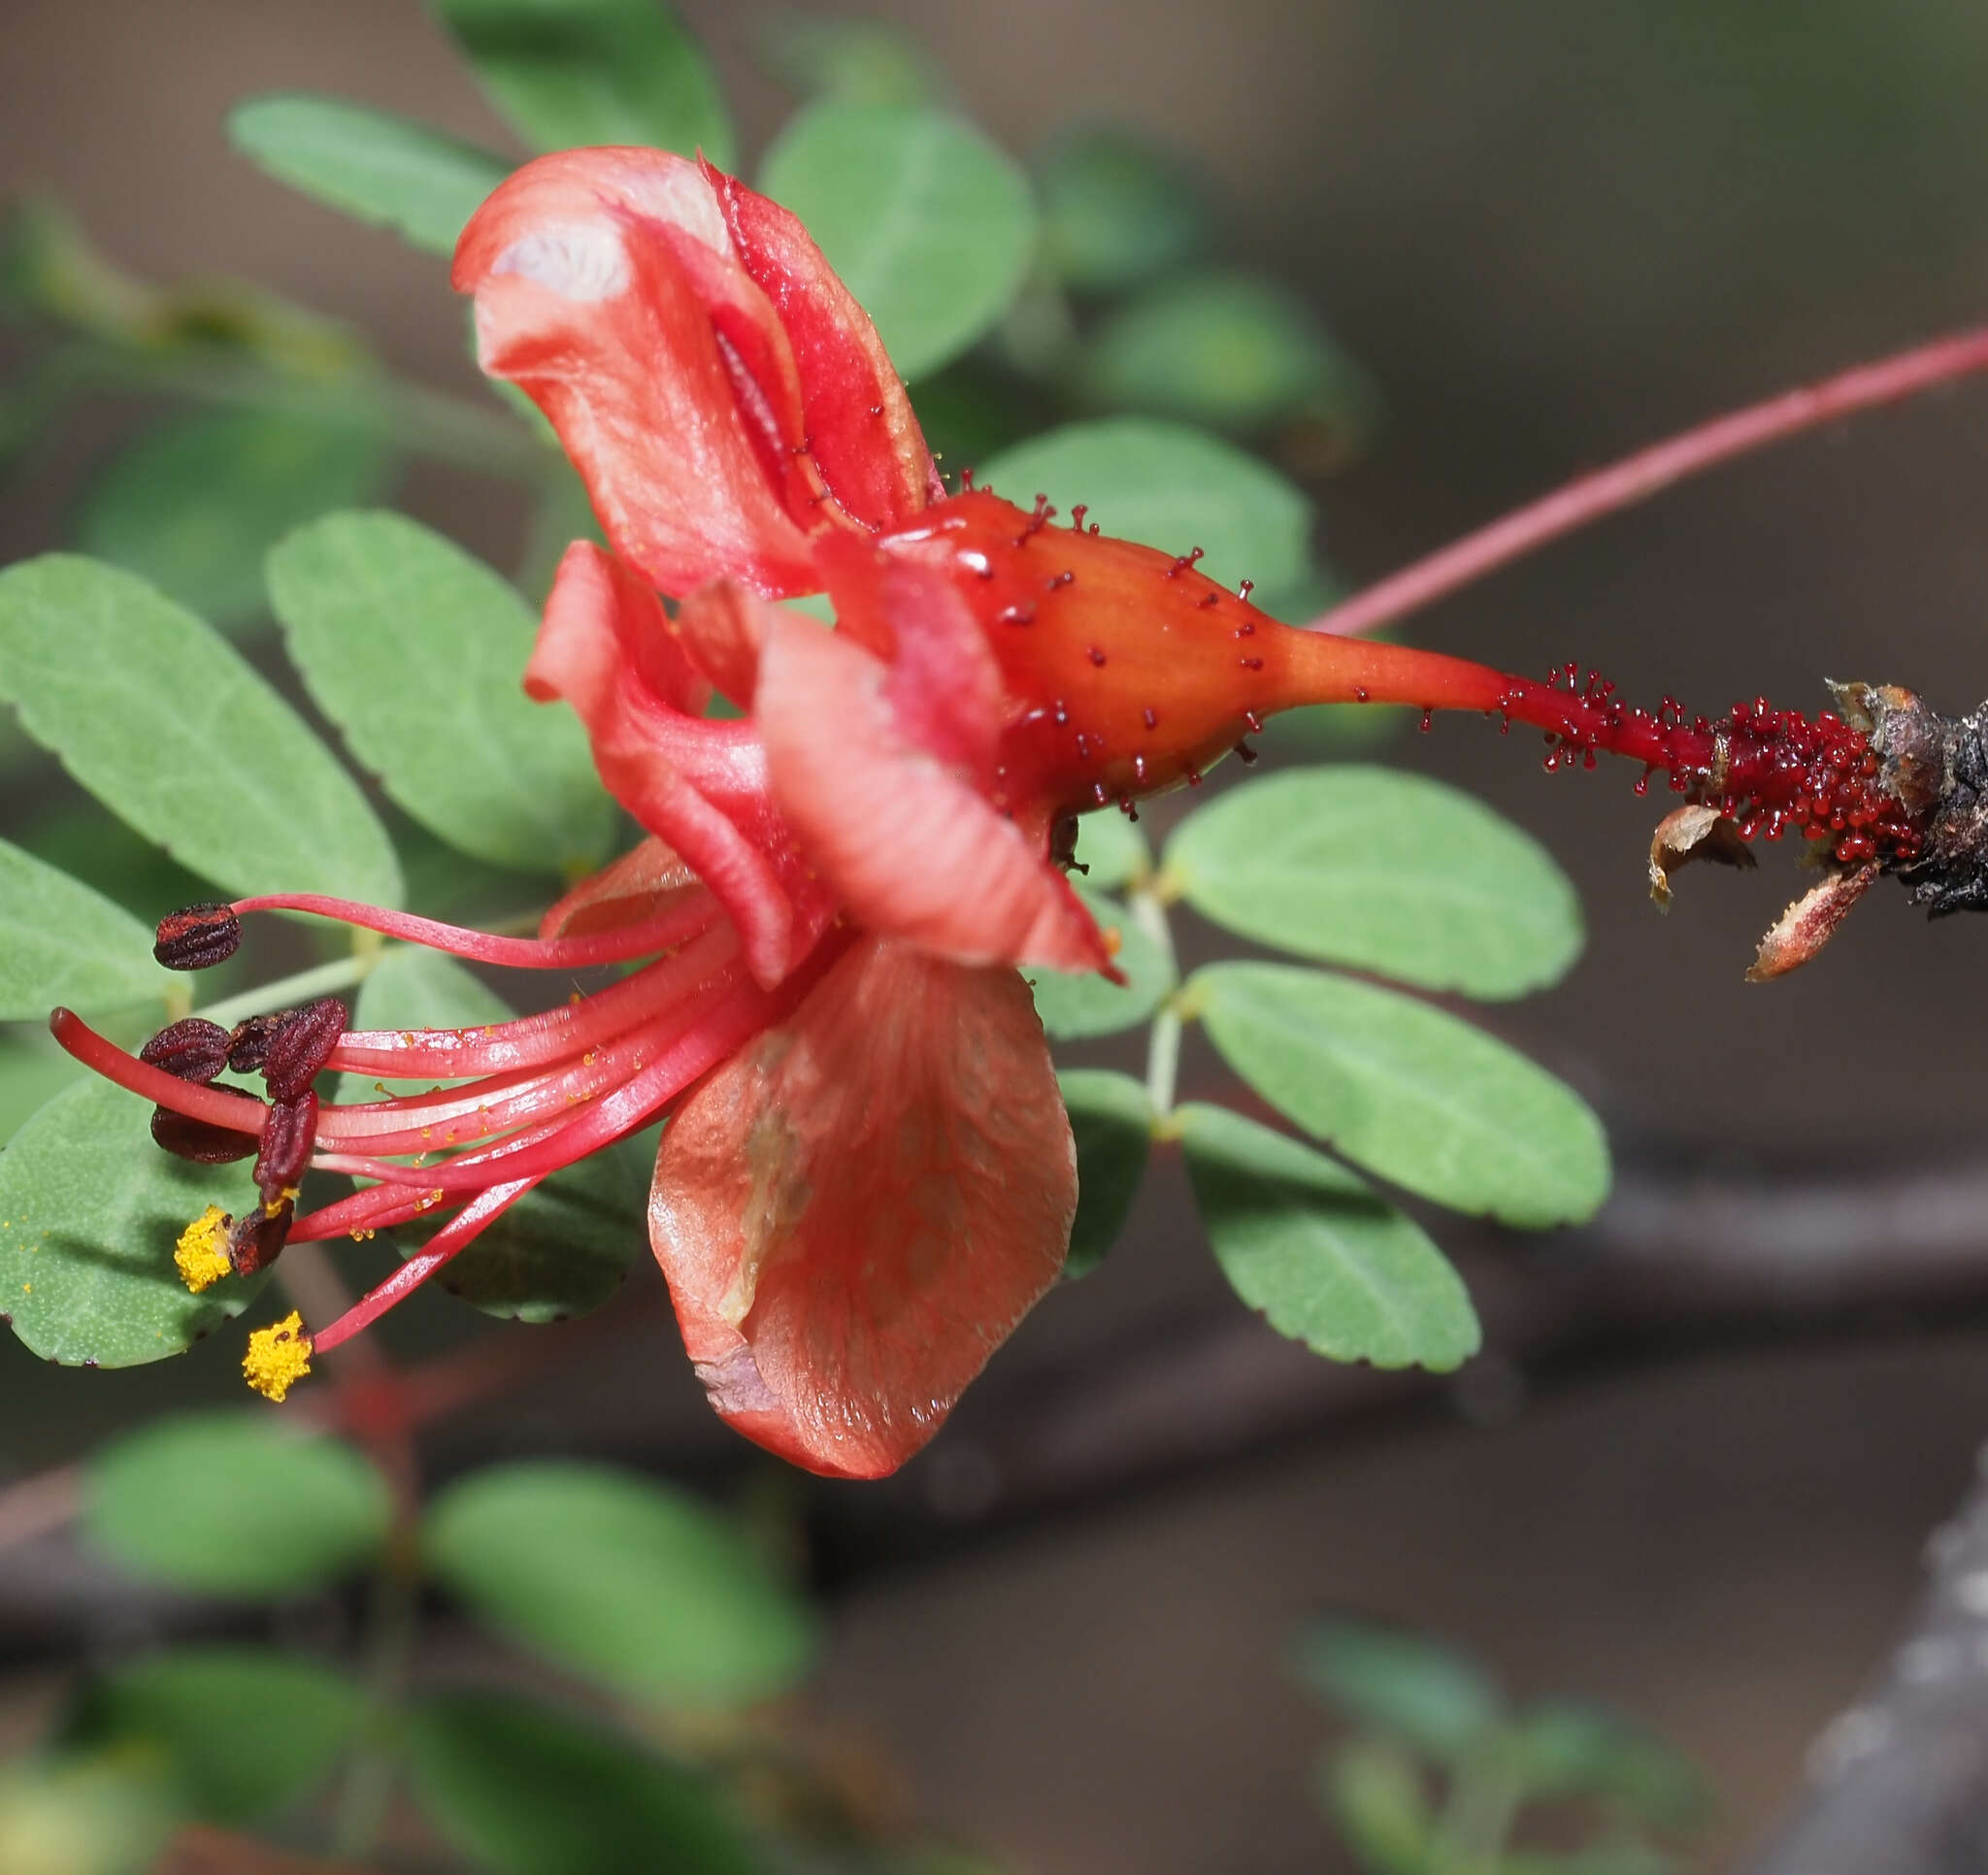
x=287, y=1138
x=248, y=1044
x=257, y=1239
x=197, y=936
x=1810, y=922
x=302, y=1044
x=191, y=1049
x=199, y=1140
x=1694, y=832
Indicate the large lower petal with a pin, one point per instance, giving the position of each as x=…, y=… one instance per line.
x=607, y=290
x=605, y=648
x=895, y=827
x=855, y=1210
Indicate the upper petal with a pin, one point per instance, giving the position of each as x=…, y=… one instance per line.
x=857, y=1208
x=608, y=290
x=878, y=772
x=860, y=427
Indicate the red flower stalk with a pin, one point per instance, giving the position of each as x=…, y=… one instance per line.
x=868, y=1176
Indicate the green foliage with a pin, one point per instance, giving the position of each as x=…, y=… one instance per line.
x=1112, y=851
x=78, y=836
x=61, y=943
x=1076, y=1005
x=416, y=649
x=562, y=1249
x=858, y=61
x=930, y=226
x=89, y=1212
x=386, y=170
x=1229, y=350
x=71, y=1814
x=1373, y=1790
x=1170, y=487
x=1413, y=1689
x=1408, y=1092
x=244, y=1732
x=235, y=1503
x=1382, y=871
x=1118, y=209
x=1569, y=1749
x=524, y=1790
x=1327, y=1260
x=625, y=1581
x=196, y=502
x=170, y=729
x=33, y=1071
x=569, y=74
x=1112, y=1120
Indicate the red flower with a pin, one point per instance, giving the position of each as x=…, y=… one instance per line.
x=868, y=1178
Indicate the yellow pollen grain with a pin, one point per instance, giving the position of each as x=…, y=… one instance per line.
x=201, y=1254
x=277, y=1356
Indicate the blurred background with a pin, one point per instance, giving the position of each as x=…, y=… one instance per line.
x=1692, y=1474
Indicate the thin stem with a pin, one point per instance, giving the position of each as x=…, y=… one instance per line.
x=1638, y=476
x=1163, y=1041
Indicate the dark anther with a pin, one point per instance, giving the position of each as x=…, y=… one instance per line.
x=200, y=1140
x=287, y=1137
x=1245, y=754
x=248, y=1045
x=197, y=936
x=301, y=1046
x=257, y=1238
x=191, y=1049
x=1063, y=843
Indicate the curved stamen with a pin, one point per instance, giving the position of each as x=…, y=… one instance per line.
x=549, y=1035
x=664, y=932
x=238, y=1112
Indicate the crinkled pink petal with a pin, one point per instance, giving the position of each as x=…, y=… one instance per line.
x=604, y=647
x=861, y=431
x=856, y=1209
x=723, y=626
x=608, y=290
x=894, y=829
x=640, y=885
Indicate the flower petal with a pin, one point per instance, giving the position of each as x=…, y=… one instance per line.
x=723, y=626
x=855, y=1210
x=893, y=825
x=860, y=427
x=632, y=890
x=605, y=648
x=607, y=290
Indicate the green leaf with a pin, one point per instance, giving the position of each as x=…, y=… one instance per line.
x=386, y=170
x=1568, y=1750
x=171, y=730
x=89, y=1212
x=1118, y=209
x=80, y=837
x=569, y=74
x=561, y=1250
x=244, y=1731
x=80, y=1814
x=1383, y=870
x=196, y=502
x=33, y=1071
x=930, y=226
x=524, y=1790
x=61, y=943
x=1408, y=1092
x=1229, y=350
x=234, y=1502
x=1114, y=849
x=624, y=1580
x=1170, y=487
x=859, y=61
x=1328, y=1261
x=1112, y=1121
x=1428, y=1696
x=1074, y=1005
x=417, y=652
x=1374, y=1792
